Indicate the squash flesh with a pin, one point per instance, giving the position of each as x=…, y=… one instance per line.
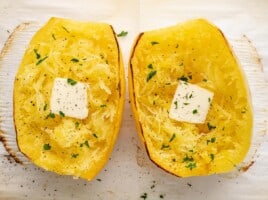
x=78, y=147
x=198, y=51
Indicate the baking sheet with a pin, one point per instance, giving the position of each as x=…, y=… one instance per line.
x=129, y=173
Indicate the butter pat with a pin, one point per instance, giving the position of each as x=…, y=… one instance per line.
x=190, y=103
x=69, y=97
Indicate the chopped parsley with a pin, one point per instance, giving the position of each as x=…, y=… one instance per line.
x=71, y=81
x=37, y=55
x=122, y=34
x=185, y=104
x=195, y=111
x=75, y=60
x=51, y=115
x=65, y=29
x=150, y=66
x=212, y=140
x=211, y=156
x=45, y=107
x=172, y=137
x=62, y=114
x=47, y=146
x=143, y=196
x=95, y=135
x=154, y=42
x=183, y=78
x=76, y=124
x=205, y=80
x=41, y=60
x=53, y=36
x=164, y=146
x=75, y=155
x=187, y=159
x=151, y=75
x=85, y=143
x=210, y=126
x=103, y=105
x=176, y=104
x=191, y=165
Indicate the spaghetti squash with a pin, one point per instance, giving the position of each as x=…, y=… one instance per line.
x=68, y=97
x=194, y=53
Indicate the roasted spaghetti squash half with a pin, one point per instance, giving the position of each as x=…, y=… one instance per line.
x=68, y=97
x=190, y=99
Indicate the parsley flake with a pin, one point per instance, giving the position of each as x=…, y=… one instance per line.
x=71, y=81
x=154, y=42
x=37, y=55
x=41, y=60
x=172, y=137
x=95, y=135
x=64, y=28
x=61, y=114
x=183, y=78
x=151, y=75
x=195, y=111
x=45, y=107
x=191, y=165
x=75, y=155
x=176, y=104
x=47, y=146
x=51, y=115
x=164, y=146
x=75, y=60
x=122, y=34
x=210, y=126
x=150, y=66
x=76, y=124
x=212, y=156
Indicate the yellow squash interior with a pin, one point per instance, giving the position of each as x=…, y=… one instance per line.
x=82, y=51
x=198, y=51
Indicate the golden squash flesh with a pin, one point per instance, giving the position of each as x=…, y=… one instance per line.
x=197, y=52
x=80, y=51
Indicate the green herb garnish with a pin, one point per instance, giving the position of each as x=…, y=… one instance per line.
x=65, y=29
x=76, y=124
x=183, y=78
x=191, y=165
x=188, y=159
x=164, y=146
x=53, y=36
x=154, y=42
x=95, y=135
x=210, y=126
x=211, y=156
x=151, y=75
x=41, y=60
x=103, y=105
x=51, y=115
x=61, y=114
x=75, y=155
x=185, y=104
x=45, y=107
x=212, y=140
x=176, y=104
x=122, y=34
x=172, y=137
x=37, y=55
x=74, y=60
x=85, y=143
x=195, y=111
x=71, y=81
x=150, y=66
x=47, y=146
